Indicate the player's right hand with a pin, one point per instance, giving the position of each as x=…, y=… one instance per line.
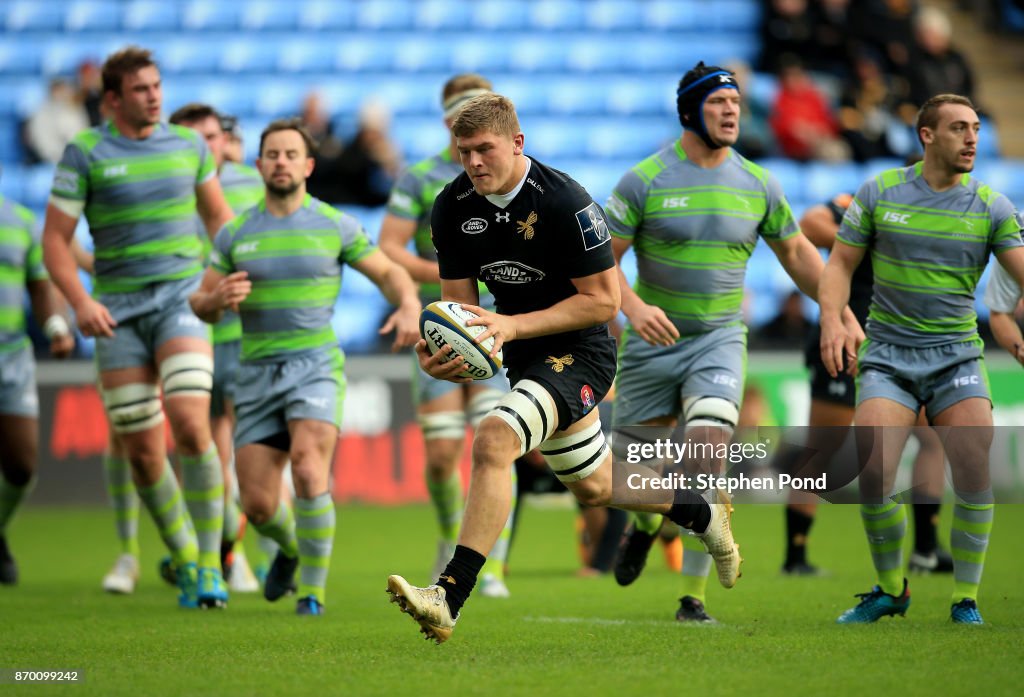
x=94, y=319
x=233, y=289
x=432, y=366
x=837, y=346
x=653, y=326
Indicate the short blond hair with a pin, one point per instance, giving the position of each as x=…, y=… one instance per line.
x=487, y=112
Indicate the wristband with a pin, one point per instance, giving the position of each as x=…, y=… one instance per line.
x=56, y=326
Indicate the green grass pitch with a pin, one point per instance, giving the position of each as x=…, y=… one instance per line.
x=557, y=635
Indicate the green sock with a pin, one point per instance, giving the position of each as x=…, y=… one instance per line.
x=647, y=522
x=125, y=501
x=972, y=526
x=281, y=529
x=696, y=567
x=11, y=496
x=314, y=528
x=886, y=526
x=163, y=501
x=495, y=564
x=204, y=496
x=447, y=499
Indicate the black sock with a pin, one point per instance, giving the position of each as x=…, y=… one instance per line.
x=459, y=577
x=798, y=524
x=690, y=511
x=926, y=523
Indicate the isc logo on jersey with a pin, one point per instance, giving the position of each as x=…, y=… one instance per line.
x=444, y=322
x=893, y=217
x=675, y=202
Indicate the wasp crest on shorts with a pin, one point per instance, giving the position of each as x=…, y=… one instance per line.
x=559, y=364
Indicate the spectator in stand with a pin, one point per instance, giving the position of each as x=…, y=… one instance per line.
x=321, y=183
x=887, y=26
x=786, y=28
x=937, y=67
x=867, y=109
x=369, y=163
x=90, y=91
x=756, y=139
x=803, y=122
x=788, y=329
x=832, y=37
x=58, y=120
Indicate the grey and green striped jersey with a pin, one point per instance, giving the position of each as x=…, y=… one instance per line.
x=928, y=250
x=694, y=230
x=1002, y=293
x=295, y=266
x=21, y=261
x=412, y=198
x=140, y=203
x=243, y=188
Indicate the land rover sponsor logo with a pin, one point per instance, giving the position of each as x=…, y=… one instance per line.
x=474, y=226
x=510, y=272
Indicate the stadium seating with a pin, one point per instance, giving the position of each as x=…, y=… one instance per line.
x=593, y=80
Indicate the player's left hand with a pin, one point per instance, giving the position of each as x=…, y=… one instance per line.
x=61, y=345
x=501, y=327
x=854, y=338
x=405, y=321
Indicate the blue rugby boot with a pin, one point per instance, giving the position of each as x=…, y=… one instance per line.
x=965, y=612
x=875, y=605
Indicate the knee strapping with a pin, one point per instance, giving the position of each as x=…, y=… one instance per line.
x=187, y=374
x=576, y=456
x=442, y=424
x=713, y=412
x=530, y=412
x=480, y=404
x=133, y=407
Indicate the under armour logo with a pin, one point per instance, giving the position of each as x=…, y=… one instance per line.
x=503, y=217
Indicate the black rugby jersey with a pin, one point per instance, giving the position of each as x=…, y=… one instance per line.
x=526, y=253
x=863, y=280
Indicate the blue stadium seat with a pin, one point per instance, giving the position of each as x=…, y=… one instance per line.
x=63, y=57
x=385, y=14
x=529, y=93
x=497, y=15
x=268, y=15
x=419, y=137
x=762, y=89
x=307, y=55
x=414, y=54
x=790, y=175
x=655, y=94
x=608, y=138
x=433, y=15
x=277, y=97
x=536, y=53
x=476, y=54
x=673, y=15
x=323, y=15
x=613, y=16
x=93, y=15
x=598, y=177
x=10, y=151
x=822, y=181
x=37, y=181
x=12, y=175
x=418, y=95
x=551, y=139
x=988, y=142
x=362, y=53
x=574, y=95
x=223, y=94
x=735, y=16
x=556, y=15
x=33, y=15
x=1006, y=177
x=152, y=15
x=20, y=56
x=181, y=54
x=202, y=15
x=248, y=56
x=587, y=54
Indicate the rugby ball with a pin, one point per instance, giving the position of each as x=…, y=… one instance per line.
x=444, y=322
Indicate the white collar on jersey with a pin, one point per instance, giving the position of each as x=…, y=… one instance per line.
x=502, y=200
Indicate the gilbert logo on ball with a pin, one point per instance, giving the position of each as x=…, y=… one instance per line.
x=444, y=322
